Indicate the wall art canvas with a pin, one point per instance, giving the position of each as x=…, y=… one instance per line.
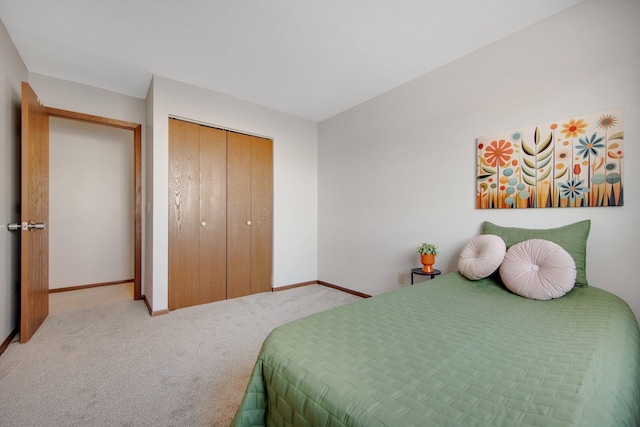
x=575, y=162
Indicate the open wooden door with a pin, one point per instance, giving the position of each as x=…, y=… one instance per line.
x=34, y=306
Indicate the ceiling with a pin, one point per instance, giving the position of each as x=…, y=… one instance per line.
x=309, y=58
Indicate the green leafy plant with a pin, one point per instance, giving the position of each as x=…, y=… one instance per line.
x=428, y=248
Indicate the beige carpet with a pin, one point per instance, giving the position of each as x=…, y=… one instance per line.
x=101, y=360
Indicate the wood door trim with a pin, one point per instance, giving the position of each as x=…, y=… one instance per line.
x=91, y=285
x=8, y=341
x=136, y=128
x=321, y=283
x=92, y=119
x=340, y=288
x=151, y=312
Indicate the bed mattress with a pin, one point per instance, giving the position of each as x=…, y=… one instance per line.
x=452, y=352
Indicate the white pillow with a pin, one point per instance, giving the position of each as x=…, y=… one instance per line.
x=481, y=256
x=538, y=269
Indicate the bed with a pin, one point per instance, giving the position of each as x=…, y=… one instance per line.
x=452, y=352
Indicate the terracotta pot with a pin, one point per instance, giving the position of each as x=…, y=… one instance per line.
x=427, y=260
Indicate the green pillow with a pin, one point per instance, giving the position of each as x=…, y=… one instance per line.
x=572, y=238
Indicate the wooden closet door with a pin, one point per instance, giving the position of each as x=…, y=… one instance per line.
x=250, y=215
x=261, y=215
x=220, y=214
x=239, y=221
x=184, y=207
x=213, y=214
x=197, y=214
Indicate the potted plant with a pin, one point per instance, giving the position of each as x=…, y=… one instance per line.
x=428, y=253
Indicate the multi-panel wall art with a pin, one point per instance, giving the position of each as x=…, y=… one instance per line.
x=575, y=162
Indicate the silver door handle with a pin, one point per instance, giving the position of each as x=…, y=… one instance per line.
x=32, y=226
x=14, y=226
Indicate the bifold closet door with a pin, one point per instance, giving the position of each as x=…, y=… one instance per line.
x=249, y=214
x=197, y=214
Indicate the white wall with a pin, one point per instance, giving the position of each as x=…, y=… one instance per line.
x=91, y=204
x=295, y=176
x=12, y=73
x=399, y=170
x=85, y=99
x=72, y=96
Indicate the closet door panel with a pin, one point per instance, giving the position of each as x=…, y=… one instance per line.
x=213, y=214
x=184, y=205
x=261, y=215
x=220, y=214
x=239, y=221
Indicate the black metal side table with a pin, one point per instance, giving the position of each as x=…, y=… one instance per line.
x=422, y=273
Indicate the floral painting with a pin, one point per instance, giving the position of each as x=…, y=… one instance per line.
x=576, y=162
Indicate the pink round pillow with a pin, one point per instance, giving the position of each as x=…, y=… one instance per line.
x=538, y=269
x=481, y=256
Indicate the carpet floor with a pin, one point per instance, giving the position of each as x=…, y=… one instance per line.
x=99, y=359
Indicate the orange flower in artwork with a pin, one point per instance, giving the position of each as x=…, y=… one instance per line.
x=498, y=152
x=573, y=128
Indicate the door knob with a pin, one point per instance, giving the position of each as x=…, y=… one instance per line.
x=203, y=223
x=14, y=226
x=248, y=222
x=32, y=226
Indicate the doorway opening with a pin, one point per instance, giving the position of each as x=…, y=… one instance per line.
x=136, y=130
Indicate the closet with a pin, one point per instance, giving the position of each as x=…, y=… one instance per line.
x=220, y=214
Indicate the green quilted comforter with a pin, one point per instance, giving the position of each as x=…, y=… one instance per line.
x=452, y=352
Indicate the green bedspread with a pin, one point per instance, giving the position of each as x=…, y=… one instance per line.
x=452, y=352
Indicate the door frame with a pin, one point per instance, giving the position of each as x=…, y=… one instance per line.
x=136, y=128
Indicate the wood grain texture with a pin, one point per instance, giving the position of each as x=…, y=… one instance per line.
x=184, y=215
x=137, y=182
x=220, y=214
x=73, y=115
x=213, y=214
x=34, y=294
x=261, y=214
x=87, y=286
x=238, y=215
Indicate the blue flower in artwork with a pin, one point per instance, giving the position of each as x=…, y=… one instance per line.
x=588, y=146
x=516, y=136
x=572, y=189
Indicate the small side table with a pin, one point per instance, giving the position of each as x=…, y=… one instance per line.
x=422, y=273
